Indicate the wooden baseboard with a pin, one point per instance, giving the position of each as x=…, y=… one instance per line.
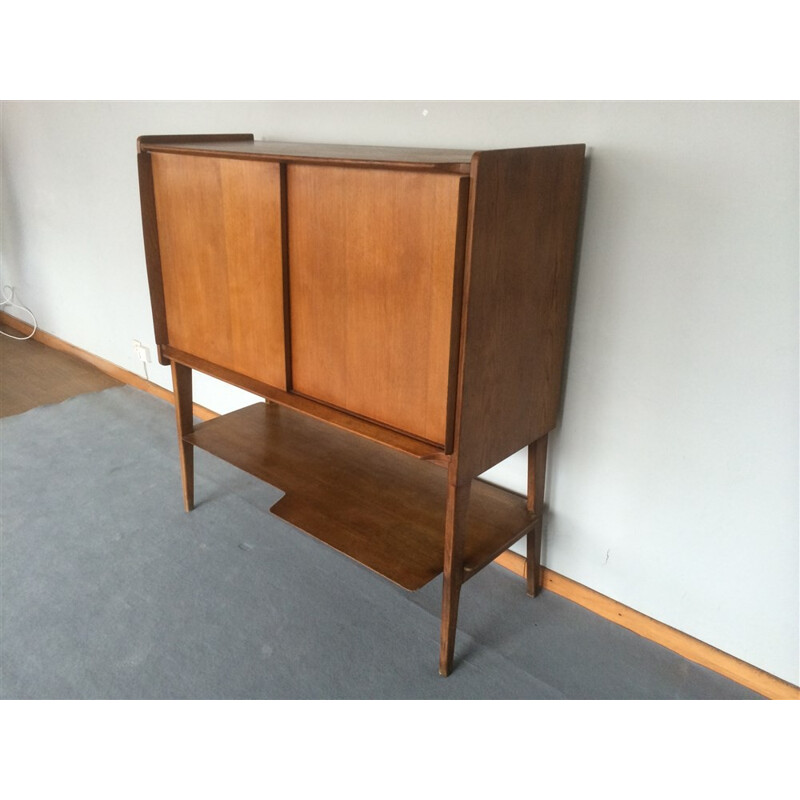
x=684, y=645
x=681, y=643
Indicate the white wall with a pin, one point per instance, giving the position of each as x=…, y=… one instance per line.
x=673, y=477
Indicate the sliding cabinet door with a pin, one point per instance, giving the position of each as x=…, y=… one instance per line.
x=219, y=233
x=375, y=259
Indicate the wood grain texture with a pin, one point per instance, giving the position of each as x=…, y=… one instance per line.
x=182, y=391
x=455, y=532
x=372, y=260
x=414, y=305
x=524, y=209
x=344, y=421
x=221, y=259
x=206, y=140
x=368, y=156
x=152, y=251
x=678, y=642
x=32, y=374
x=537, y=464
x=382, y=508
x=76, y=383
x=287, y=312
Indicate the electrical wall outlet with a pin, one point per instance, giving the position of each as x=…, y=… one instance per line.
x=142, y=352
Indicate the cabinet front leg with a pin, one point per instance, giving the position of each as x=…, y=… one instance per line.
x=454, y=535
x=182, y=389
x=537, y=461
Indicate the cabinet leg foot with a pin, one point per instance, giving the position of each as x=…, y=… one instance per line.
x=537, y=461
x=182, y=389
x=187, y=475
x=533, y=567
x=455, y=533
x=450, y=596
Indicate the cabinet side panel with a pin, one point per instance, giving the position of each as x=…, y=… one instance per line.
x=219, y=230
x=524, y=211
x=151, y=249
x=371, y=264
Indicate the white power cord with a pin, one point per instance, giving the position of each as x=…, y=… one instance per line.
x=8, y=300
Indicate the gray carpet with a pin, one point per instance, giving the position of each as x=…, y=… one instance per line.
x=110, y=590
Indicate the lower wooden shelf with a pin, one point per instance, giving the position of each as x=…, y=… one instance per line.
x=383, y=508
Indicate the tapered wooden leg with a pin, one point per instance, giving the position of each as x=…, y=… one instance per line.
x=454, y=535
x=537, y=461
x=182, y=388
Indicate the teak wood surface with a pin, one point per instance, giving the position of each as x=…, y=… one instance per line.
x=537, y=461
x=523, y=224
x=418, y=298
x=221, y=247
x=372, y=269
x=397, y=440
x=383, y=508
x=182, y=381
x=243, y=146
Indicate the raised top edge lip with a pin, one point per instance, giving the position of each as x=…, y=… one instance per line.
x=309, y=151
x=245, y=146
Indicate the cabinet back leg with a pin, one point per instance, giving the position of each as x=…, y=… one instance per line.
x=454, y=535
x=537, y=461
x=182, y=389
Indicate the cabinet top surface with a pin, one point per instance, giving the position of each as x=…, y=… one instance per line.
x=450, y=160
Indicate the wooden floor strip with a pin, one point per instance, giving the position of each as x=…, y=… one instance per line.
x=36, y=375
x=684, y=645
x=107, y=367
x=681, y=643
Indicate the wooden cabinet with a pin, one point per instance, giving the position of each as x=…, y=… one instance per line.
x=404, y=313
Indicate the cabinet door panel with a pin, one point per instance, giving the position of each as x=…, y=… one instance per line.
x=372, y=260
x=219, y=232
